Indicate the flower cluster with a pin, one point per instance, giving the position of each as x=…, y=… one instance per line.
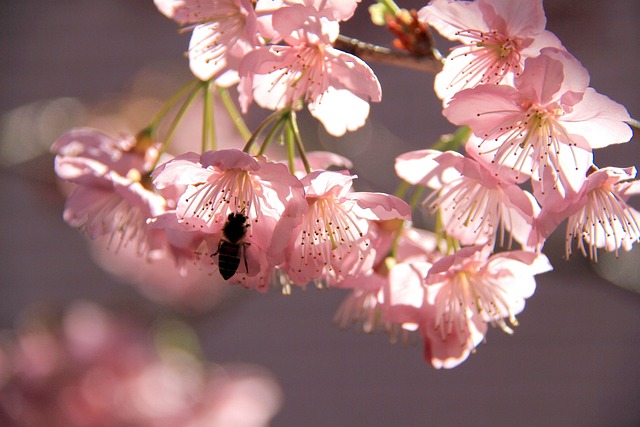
x=529, y=123
x=531, y=115
x=308, y=229
x=281, y=55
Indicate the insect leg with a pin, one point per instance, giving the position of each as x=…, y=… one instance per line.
x=218, y=251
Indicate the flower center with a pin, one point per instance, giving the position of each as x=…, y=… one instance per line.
x=302, y=71
x=232, y=192
x=224, y=31
x=123, y=223
x=466, y=203
x=604, y=221
x=491, y=57
x=330, y=235
x=470, y=294
x=531, y=143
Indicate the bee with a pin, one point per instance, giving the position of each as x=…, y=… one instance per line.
x=232, y=247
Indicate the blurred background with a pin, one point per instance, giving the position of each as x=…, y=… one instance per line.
x=573, y=361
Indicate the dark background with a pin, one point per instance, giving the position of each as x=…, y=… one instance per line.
x=573, y=360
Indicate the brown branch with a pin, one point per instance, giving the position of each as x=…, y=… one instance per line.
x=371, y=53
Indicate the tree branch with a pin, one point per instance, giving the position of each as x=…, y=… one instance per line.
x=371, y=53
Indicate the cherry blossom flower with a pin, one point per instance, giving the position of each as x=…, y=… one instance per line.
x=395, y=301
x=330, y=241
x=469, y=289
x=403, y=295
x=406, y=304
x=475, y=206
x=546, y=125
x=336, y=86
x=112, y=198
x=496, y=36
x=223, y=31
x=390, y=296
x=229, y=182
x=598, y=215
x=402, y=304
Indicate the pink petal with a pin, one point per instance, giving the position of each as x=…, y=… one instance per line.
x=432, y=168
x=182, y=170
x=80, y=170
x=449, y=17
x=324, y=160
x=406, y=284
x=195, y=11
x=349, y=72
x=229, y=159
x=340, y=111
x=549, y=76
x=485, y=108
x=322, y=183
x=598, y=119
x=299, y=24
x=380, y=206
x=456, y=347
x=522, y=19
x=542, y=40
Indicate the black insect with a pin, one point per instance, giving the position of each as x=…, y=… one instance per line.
x=232, y=246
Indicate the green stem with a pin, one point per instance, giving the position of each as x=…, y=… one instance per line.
x=634, y=123
x=170, y=102
x=453, y=142
x=453, y=244
x=293, y=122
x=261, y=127
x=210, y=104
x=402, y=189
x=393, y=252
x=416, y=196
x=208, y=120
x=291, y=147
x=272, y=133
x=176, y=120
x=391, y=6
x=235, y=115
x=413, y=202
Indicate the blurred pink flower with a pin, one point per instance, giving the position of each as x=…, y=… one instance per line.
x=113, y=196
x=224, y=182
x=331, y=241
x=77, y=150
x=475, y=206
x=223, y=31
x=468, y=289
x=496, y=35
x=94, y=368
x=546, y=125
x=184, y=286
x=336, y=86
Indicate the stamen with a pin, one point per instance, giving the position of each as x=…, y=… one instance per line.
x=604, y=221
x=329, y=236
x=212, y=202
